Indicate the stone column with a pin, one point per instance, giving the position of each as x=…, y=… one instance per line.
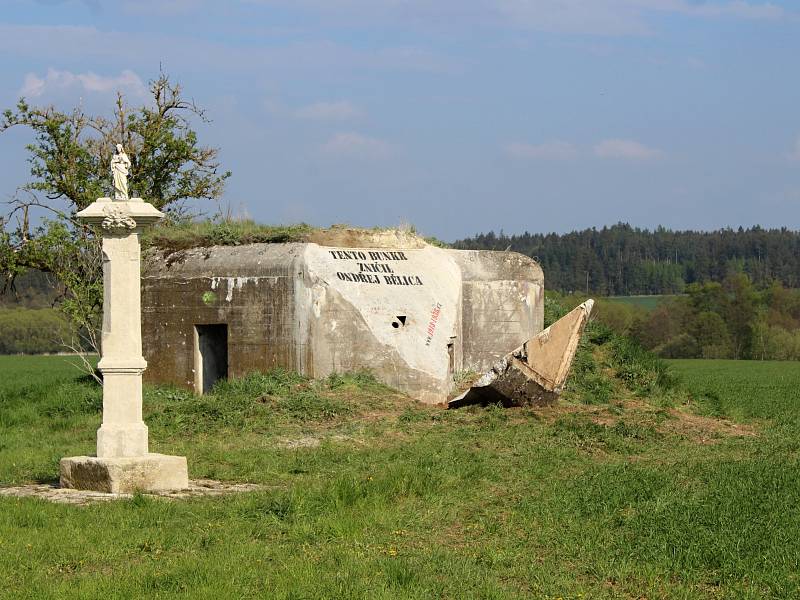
x=123, y=462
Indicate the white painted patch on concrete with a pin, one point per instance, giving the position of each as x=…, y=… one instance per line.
x=231, y=284
x=409, y=298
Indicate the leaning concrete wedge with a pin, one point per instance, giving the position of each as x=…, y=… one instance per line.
x=534, y=373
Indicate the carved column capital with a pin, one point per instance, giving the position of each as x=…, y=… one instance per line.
x=117, y=219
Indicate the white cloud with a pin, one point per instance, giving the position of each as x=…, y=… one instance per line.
x=597, y=17
x=328, y=111
x=32, y=86
x=605, y=17
x=137, y=7
x=356, y=145
x=739, y=9
x=93, y=5
x=561, y=150
x=54, y=80
x=626, y=150
x=163, y=8
x=623, y=17
x=180, y=50
x=556, y=150
x=794, y=155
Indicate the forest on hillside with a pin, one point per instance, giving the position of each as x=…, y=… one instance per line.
x=728, y=319
x=622, y=260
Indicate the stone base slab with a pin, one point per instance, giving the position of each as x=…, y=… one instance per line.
x=198, y=488
x=148, y=473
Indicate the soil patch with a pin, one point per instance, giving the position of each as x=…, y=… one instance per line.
x=675, y=421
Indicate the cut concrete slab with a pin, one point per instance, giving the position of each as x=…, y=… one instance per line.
x=534, y=373
x=150, y=472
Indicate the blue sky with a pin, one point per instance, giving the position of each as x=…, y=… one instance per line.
x=456, y=116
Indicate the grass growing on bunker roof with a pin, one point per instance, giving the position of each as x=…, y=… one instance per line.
x=229, y=232
x=184, y=235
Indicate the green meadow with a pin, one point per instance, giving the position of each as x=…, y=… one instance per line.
x=633, y=486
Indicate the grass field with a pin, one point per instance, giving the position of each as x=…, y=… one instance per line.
x=744, y=390
x=689, y=493
x=645, y=302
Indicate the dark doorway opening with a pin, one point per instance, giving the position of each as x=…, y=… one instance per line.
x=211, y=356
x=451, y=354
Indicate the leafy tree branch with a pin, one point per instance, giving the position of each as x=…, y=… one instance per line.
x=70, y=159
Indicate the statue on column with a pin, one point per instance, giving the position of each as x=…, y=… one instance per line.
x=120, y=168
x=124, y=463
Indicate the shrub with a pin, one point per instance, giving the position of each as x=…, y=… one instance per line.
x=631, y=366
x=681, y=346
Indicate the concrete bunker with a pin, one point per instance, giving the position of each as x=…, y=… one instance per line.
x=411, y=313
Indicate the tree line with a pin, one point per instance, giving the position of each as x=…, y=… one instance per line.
x=622, y=260
x=732, y=318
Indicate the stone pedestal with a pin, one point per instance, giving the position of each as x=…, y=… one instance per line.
x=150, y=472
x=123, y=462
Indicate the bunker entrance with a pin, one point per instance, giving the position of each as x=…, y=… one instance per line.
x=210, y=357
x=451, y=355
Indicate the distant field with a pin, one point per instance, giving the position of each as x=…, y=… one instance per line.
x=744, y=390
x=36, y=370
x=646, y=302
x=369, y=495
